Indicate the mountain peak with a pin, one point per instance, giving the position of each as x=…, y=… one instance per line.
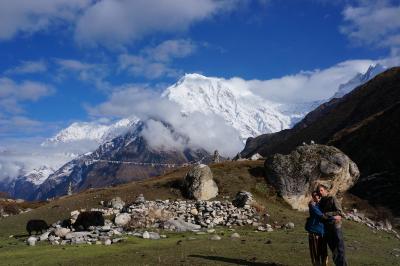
x=92, y=131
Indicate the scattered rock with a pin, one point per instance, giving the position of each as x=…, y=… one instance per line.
x=289, y=225
x=235, y=235
x=122, y=219
x=154, y=235
x=180, y=225
x=31, y=240
x=116, y=203
x=146, y=235
x=44, y=236
x=215, y=237
x=140, y=199
x=61, y=232
x=107, y=242
x=256, y=157
x=199, y=183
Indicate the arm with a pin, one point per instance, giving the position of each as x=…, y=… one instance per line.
x=315, y=210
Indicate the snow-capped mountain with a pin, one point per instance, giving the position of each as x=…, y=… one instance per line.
x=249, y=114
x=359, y=79
x=92, y=131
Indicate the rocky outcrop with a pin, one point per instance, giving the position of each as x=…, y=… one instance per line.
x=297, y=174
x=199, y=183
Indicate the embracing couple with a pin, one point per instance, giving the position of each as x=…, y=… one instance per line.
x=325, y=228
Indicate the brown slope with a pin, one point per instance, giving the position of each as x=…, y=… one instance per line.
x=364, y=124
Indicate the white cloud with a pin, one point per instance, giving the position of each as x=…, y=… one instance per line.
x=154, y=62
x=12, y=97
x=307, y=86
x=13, y=93
x=92, y=73
x=142, y=66
x=116, y=23
x=206, y=131
x=373, y=23
x=171, y=49
x=26, y=16
x=20, y=156
x=28, y=67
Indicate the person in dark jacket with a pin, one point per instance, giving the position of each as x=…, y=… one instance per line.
x=330, y=206
x=315, y=229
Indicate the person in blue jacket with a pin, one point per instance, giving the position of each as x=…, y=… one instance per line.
x=316, y=231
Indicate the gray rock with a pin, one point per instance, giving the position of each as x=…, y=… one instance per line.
x=154, y=235
x=297, y=174
x=116, y=203
x=140, y=199
x=199, y=183
x=107, y=242
x=256, y=157
x=289, y=225
x=44, y=236
x=122, y=219
x=215, y=237
x=61, y=232
x=235, y=235
x=74, y=235
x=146, y=235
x=31, y=241
x=181, y=226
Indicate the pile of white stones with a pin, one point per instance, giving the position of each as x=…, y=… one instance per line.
x=177, y=215
x=206, y=214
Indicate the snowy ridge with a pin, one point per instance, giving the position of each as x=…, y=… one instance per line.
x=92, y=131
x=358, y=80
x=39, y=175
x=249, y=114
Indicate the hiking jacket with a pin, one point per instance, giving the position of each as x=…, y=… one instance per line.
x=330, y=207
x=314, y=222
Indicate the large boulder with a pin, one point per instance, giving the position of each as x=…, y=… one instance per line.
x=199, y=183
x=297, y=174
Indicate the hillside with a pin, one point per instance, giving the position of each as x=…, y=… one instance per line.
x=280, y=247
x=363, y=124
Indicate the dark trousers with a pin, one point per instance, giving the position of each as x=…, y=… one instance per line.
x=334, y=238
x=318, y=250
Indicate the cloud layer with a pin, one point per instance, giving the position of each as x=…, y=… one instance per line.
x=374, y=23
x=113, y=23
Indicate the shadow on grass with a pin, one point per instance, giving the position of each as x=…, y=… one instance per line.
x=236, y=261
x=258, y=171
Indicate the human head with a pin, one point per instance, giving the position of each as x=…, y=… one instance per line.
x=315, y=196
x=322, y=190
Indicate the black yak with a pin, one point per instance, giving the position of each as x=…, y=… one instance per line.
x=87, y=219
x=66, y=223
x=36, y=225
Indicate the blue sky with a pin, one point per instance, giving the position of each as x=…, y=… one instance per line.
x=58, y=58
